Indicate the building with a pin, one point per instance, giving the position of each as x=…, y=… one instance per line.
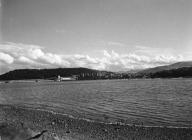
x=59, y=78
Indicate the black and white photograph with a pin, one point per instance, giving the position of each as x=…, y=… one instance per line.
x=95, y=69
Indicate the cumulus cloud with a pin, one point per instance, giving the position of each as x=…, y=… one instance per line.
x=117, y=61
x=14, y=56
x=6, y=58
x=25, y=60
x=113, y=43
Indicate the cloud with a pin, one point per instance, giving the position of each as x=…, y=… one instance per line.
x=26, y=60
x=113, y=43
x=152, y=51
x=115, y=61
x=99, y=43
x=6, y=58
x=18, y=56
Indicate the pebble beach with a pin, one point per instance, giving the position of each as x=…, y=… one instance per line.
x=18, y=123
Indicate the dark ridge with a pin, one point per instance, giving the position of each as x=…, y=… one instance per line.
x=80, y=73
x=180, y=69
x=168, y=67
x=185, y=72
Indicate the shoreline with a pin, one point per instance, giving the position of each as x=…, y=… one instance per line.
x=64, y=127
x=97, y=121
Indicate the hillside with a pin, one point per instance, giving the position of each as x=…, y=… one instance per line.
x=82, y=73
x=185, y=72
x=167, y=67
x=180, y=69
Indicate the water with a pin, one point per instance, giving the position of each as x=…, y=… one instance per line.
x=151, y=102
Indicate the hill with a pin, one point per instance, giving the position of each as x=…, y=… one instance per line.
x=180, y=69
x=167, y=67
x=185, y=72
x=81, y=73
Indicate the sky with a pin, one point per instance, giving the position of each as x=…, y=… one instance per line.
x=115, y=35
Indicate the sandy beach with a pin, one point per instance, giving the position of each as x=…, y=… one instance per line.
x=17, y=123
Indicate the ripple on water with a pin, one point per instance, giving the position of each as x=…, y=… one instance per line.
x=151, y=101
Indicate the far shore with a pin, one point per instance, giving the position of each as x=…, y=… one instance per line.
x=26, y=80
x=47, y=80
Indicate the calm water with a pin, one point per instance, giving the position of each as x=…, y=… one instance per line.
x=154, y=102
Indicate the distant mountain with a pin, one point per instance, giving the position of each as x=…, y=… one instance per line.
x=179, y=69
x=167, y=67
x=185, y=72
x=82, y=73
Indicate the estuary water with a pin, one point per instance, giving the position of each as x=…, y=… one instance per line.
x=149, y=102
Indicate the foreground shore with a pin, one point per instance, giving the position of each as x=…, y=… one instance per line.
x=18, y=123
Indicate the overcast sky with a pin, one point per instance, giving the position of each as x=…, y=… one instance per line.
x=111, y=35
